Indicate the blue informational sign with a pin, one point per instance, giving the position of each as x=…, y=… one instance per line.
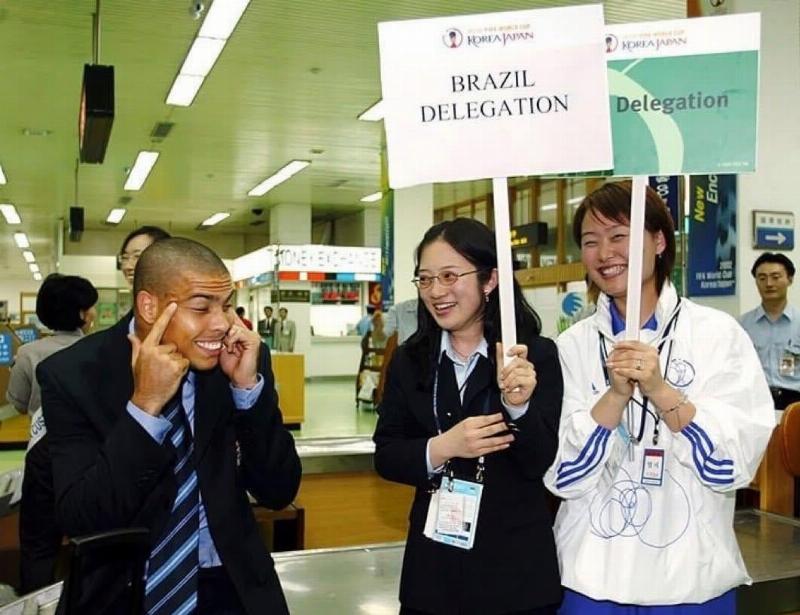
x=773, y=230
x=667, y=188
x=712, y=236
x=6, y=350
x=387, y=249
x=27, y=334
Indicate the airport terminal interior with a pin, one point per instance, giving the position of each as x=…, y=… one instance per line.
x=256, y=127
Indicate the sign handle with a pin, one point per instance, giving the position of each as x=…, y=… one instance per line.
x=634, y=295
x=505, y=272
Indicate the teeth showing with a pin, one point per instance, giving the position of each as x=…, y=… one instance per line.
x=210, y=345
x=443, y=306
x=608, y=272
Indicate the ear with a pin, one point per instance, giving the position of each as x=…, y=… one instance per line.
x=147, y=307
x=661, y=243
x=490, y=284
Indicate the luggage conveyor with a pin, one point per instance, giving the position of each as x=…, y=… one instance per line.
x=365, y=579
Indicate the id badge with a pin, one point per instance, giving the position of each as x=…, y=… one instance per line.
x=788, y=364
x=653, y=467
x=455, y=519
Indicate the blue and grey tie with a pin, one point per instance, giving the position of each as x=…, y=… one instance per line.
x=171, y=585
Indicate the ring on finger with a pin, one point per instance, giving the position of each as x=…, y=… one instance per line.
x=639, y=364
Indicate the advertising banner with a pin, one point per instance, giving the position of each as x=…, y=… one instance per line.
x=387, y=250
x=712, y=236
x=495, y=95
x=684, y=95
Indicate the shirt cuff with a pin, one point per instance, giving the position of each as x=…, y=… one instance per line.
x=245, y=399
x=431, y=470
x=515, y=412
x=157, y=426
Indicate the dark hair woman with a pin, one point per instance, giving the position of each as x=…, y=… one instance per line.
x=656, y=435
x=454, y=420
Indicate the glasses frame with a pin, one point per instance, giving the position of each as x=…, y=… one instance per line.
x=417, y=282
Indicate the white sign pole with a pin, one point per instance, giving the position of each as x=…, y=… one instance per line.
x=634, y=295
x=505, y=271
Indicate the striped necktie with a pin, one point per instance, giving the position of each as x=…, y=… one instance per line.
x=171, y=586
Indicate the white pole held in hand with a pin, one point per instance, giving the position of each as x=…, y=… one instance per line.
x=505, y=271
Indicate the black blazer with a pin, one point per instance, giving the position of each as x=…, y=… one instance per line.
x=513, y=565
x=109, y=473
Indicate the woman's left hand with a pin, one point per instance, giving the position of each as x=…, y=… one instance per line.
x=517, y=380
x=638, y=362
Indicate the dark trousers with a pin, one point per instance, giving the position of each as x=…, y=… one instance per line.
x=783, y=397
x=216, y=594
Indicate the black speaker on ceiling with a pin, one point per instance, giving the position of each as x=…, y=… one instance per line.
x=75, y=223
x=96, y=113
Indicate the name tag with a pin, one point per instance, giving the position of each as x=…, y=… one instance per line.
x=653, y=467
x=453, y=513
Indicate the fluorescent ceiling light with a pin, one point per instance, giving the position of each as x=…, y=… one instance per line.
x=549, y=207
x=37, y=277
x=215, y=219
x=202, y=55
x=295, y=166
x=2, y=176
x=10, y=213
x=374, y=113
x=34, y=268
x=222, y=18
x=184, y=90
x=21, y=239
x=575, y=199
x=116, y=215
x=371, y=198
x=141, y=169
x=28, y=256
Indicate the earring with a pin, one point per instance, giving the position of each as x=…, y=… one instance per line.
x=486, y=296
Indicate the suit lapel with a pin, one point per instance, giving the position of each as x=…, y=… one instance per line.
x=115, y=364
x=478, y=381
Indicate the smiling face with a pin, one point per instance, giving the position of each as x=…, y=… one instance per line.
x=204, y=315
x=604, y=252
x=130, y=254
x=457, y=308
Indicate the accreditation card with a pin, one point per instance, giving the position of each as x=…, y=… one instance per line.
x=453, y=513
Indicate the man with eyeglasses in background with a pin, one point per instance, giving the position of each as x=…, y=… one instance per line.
x=133, y=246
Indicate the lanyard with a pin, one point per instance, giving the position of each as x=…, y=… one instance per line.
x=448, y=468
x=645, y=400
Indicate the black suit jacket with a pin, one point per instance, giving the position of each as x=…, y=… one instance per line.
x=109, y=472
x=512, y=566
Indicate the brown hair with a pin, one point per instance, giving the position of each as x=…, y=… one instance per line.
x=613, y=201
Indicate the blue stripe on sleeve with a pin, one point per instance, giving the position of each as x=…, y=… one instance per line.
x=703, y=460
x=597, y=443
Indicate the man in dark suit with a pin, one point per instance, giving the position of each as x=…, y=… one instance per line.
x=165, y=421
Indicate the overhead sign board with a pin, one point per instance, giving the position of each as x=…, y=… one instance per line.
x=684, y=95
x=773, y=230
x=495, y=95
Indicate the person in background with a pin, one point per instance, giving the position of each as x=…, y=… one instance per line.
x=377, y=334
x=66, y=305
x=266, y=328
x=133, y=246
x=452, y=416
x=656, y=435
x=240, y=312
x=774, y=327
x=365, y=324
x=170, y=422
x=402, y=318
x=285, y=332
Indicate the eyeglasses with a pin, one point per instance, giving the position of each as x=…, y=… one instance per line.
x=446, y=278
x=123, y=259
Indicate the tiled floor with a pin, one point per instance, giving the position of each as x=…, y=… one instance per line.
x=331, y=410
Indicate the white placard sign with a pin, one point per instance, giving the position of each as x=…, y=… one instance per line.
x=495, y=95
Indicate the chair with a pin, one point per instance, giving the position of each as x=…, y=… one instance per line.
x=388, y=351
x=790, y=447
x=129, y=546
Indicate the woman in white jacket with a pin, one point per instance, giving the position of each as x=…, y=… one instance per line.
x=655, y=435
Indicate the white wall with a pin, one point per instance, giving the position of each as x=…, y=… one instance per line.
x=774, y=185
x=10, y=290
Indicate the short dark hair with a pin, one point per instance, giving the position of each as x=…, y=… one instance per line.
x=240, y=311
x=164, y=259
x=268, y=307
x=613, y=201
x=155, y=233
x=772, y=257
x=61, y=299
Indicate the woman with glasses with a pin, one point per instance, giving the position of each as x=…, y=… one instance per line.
x=656, y=435
x=133, y=246
x=473, y=437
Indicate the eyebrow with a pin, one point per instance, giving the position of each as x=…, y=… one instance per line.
x=209, y=297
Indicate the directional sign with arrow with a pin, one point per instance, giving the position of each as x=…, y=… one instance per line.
x=773, y=230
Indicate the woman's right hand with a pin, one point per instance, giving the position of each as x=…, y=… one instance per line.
x=472, y=437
